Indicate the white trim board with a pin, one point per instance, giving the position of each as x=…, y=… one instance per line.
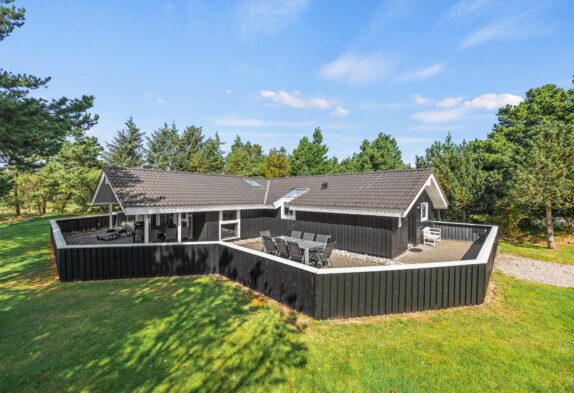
x=132, y=211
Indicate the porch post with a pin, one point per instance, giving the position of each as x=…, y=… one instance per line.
x=146, y=228
x=179, y=227
x=111, y=217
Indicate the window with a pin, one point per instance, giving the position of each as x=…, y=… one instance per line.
x=424, y=211
x=286, y=212
x=295, y=193
x=229, y=227
x=253, y=183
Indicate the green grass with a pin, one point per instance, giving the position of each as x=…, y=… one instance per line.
x=539, y=251
x=207, y=334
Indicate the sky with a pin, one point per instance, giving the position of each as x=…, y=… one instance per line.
x=272, y=71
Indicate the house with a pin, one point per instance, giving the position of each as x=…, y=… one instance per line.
x=378, y=213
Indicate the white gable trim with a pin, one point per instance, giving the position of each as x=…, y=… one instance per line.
x=431, y=181
x=103, y=178
x=348, y=210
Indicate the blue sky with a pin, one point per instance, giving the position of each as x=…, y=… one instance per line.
x=271, y=71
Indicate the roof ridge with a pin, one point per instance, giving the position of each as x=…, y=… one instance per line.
x=184, y=172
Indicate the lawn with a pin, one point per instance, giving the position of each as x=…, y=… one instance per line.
x=539, y=251
x=207, y=334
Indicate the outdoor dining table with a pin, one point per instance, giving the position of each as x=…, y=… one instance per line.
x=305, y=245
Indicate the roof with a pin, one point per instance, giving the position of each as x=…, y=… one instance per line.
x=387, y=191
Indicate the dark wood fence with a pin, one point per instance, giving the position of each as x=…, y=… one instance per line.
x=322, y=294
x=82, y=224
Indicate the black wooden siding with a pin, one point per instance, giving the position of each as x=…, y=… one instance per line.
x=364, y=234
x=89, y=223
x=322, y=296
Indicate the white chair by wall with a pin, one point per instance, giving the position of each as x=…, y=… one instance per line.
x=431, y=236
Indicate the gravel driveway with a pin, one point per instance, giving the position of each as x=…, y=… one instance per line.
x=537, y=271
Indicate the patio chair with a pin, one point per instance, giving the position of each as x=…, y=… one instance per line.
x=295, y=252
x=171, y=235
x=282, y=249
x=268, y=245
x=296, y=234
x=431, y=236
x=153, y=236
x=265, y=233
x=308, y=236
x=322, y=238
x=323, y=257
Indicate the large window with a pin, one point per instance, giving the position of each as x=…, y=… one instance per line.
x=424, y=211
x=229, y=227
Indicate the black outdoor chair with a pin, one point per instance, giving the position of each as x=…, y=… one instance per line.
x=308, y=236
x=282, y=249
x=296, y=234
x=268, y=245
x=171, y=235
x=153, y=236
x=322, y=257
x=295, y=251
x=322, y=238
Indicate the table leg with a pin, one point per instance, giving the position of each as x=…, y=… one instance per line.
x=306, y=261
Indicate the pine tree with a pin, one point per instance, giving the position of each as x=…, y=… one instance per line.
x=188, y=154
x=276, y=164
x=127, y=147
x=381, y=154
x=162, y=147
x=545, y=174
x=310, y=157
x=211, y=156
x=244, y=159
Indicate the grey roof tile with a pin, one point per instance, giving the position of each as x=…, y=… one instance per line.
x=376, y=190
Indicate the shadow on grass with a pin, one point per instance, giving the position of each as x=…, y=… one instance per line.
x=203, y=334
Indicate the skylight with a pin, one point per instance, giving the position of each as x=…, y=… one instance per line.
x=253, y=183
x=295, y=193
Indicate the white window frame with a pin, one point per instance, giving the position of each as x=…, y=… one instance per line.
x=284, y=216
x=236, y=221
x=424, y=208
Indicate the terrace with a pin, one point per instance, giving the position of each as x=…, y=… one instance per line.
x=454, y=273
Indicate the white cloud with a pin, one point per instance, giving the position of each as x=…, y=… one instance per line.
x=449, y=102
x=487, y=33
x=340, y=111
x=423, y=73
x=422, y=100
x=466, y=9
x=458, y=108
x=160, y=101
x=228, y=91
x=233, y=121
x=440, y=116
x=493, y=101
x=295, y=99
x=254, y=17
x=357, y=69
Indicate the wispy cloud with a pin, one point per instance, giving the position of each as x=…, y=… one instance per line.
x=357, y=69
x=422, y=100
x=512, y=20
x=234, y=121
x=255, y=17
x=387, y=12
x=295, y=99
x=160, y=101
x=340, y=112
x=458, y=109
x=423, y=73
x=466, y=9
x=449, y=102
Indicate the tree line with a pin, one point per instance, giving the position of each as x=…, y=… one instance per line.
x=520, y=176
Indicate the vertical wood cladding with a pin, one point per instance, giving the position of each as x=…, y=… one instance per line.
x=322, y=296
x=364, y=234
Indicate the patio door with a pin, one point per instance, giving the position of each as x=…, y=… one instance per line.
x=412, y=224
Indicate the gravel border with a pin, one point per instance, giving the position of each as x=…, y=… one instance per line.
x=537, y=271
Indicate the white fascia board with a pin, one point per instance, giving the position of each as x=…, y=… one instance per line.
x=103, y=178
x=132, y=211
x=346, y=210
x=431, y=181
